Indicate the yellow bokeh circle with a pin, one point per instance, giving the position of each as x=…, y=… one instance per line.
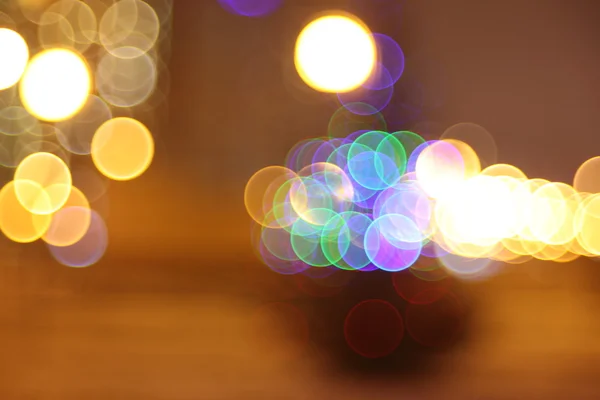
x=52, y=183
x=16, y=222
x=267, y=189
x=588, y=224
x=55, y=85
x=122, y=148
x=335, y=53
x=14, y=54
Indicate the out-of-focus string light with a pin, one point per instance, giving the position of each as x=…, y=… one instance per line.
x=385, y=200
x=52, y=183
x=18, y=223
x=122, y=148
x=96, y=60
x=335, y=53
x=55, y=85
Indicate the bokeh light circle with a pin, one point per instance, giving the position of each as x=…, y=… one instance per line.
x=14, y=54
x=335, y=53
x=55, y=85
x=122, y=148
x=126, y=77
x=392, y=242
x=129, y=23
x=260, y=193
x=71, y=222
x=53, y=183
x=76, y=22
x=16, y=222
x=86, y=251
x=390, y=64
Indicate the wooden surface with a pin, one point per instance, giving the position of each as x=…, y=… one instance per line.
x=189, y=334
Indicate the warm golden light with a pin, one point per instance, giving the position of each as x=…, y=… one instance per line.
x=90, y=62
x=549, y=213
x=264, y=188
x=479, y=212
x=504, y=170
x=335, y=53
x=440, y=168
x=131, y=23
x=588, y=222
x=55, y=85
x=52, y=180
x=16, y=222
x=122, y=149
x=14, y=54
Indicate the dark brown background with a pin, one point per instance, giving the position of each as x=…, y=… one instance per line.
x=164, y=315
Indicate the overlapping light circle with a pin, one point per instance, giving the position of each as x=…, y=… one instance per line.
x=335, y=53
x=55, y=85
x=15, y=55
x=383, y=200
x=97, y=64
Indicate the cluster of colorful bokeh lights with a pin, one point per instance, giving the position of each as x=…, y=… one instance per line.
x=362, y=198
x=379, y=200
x=422, y=204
